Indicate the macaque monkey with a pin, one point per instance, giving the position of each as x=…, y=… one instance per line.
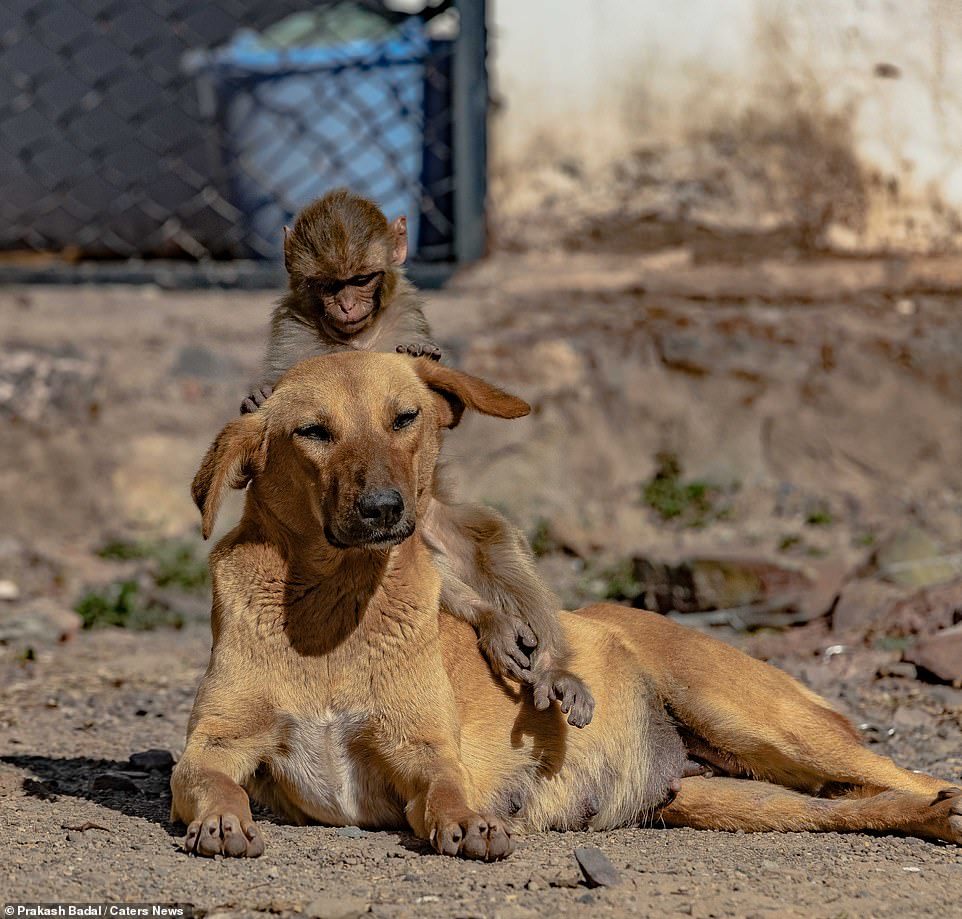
x=348, y=291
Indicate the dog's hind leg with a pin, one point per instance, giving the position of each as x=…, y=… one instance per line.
x=766, y=725
x=747, y=718
x=752, y=807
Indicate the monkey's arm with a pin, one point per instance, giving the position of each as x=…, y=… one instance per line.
x=289, y=342
x=488, y=578
x=404, y=328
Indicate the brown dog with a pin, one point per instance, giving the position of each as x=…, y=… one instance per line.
x=336, y=692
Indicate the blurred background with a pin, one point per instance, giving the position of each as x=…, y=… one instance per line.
x=715, y=244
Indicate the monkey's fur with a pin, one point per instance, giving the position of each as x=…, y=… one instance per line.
x=348, y=292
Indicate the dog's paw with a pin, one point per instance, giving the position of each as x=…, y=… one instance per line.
x=419, y=350
x=223, y=834
x=256, y=399
x=571, y=693
x=946, y=815
x=472, y=836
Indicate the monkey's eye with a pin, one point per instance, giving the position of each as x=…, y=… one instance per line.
x=315, y=432
x=362, y=280
x=405, y=418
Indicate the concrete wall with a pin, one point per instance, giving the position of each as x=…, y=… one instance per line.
x=595, y=77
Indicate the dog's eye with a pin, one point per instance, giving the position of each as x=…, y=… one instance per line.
x=315, y=432
x=405, y=418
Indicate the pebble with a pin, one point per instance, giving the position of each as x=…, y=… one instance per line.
x=153, y=760
x=9, y=590
x=351, y=832
x=596, y=867
x=330, y=906
x=115, y=781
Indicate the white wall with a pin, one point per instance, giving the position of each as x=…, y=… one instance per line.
x=596, y=76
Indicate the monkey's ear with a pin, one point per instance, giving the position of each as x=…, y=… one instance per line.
x=455, y=391
x=230, y=462
x=399, y=232
x=287, y=249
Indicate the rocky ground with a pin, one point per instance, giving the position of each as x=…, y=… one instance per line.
x=772, y=448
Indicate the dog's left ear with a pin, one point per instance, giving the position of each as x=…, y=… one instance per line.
x=230, y=462
x=455, y=391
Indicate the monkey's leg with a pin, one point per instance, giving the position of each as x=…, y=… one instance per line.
x=753, y=807
x=571, y=693
x=497, y=642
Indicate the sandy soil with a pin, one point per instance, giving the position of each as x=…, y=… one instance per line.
x=81, y=709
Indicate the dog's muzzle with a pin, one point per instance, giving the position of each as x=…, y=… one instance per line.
x=379, y=518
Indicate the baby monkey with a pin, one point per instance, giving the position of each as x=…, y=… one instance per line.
x=348, y=291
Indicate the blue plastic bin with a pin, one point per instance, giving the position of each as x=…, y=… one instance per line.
x=296, y=122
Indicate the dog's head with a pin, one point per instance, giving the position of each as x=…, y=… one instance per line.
x=346, y=445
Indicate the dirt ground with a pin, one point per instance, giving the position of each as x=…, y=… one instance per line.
x=819, y=400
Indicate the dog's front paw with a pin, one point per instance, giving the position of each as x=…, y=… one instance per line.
x=256, y=399
x=472, y=836
x=571, y=693
x=223, y=834
x=420, y=350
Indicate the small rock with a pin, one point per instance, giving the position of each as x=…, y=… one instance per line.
x=351, y=832
x=153, y=760
x=115, y=781
x=948, y=697
x=912, y=558
x=9, y=591
x=939, y=657
x=566, y=881
x=42, y=790
x=907, y=718
x=861, y=604
x=900, y=669
x=330, y=906
x=596, y=867
x=40, y=620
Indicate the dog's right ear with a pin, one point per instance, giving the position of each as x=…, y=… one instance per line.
x=232, y=459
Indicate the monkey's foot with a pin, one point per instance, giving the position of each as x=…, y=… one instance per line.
x=508, y=645
x=431, y=351
x=571, y=693
x=256, y=399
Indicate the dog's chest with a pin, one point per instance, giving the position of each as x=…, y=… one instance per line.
x=325, y=771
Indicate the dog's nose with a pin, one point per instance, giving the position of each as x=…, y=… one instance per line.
x=381, y=508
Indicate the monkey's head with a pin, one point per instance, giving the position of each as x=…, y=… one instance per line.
x=342, y=259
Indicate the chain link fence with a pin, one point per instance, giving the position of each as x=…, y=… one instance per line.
x=171, y=129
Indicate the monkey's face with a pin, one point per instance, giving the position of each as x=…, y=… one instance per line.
x=342, y=259
x=346, y=446
x=344, y=306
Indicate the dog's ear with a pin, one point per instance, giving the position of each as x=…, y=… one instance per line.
x=455, y=391
x=230, y=462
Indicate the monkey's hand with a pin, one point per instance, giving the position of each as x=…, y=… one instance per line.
x=420, y=350
x=256, y=399
x=508, y=644
x=571, y=693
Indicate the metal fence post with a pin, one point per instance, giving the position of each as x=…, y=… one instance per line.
x=470, y=105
